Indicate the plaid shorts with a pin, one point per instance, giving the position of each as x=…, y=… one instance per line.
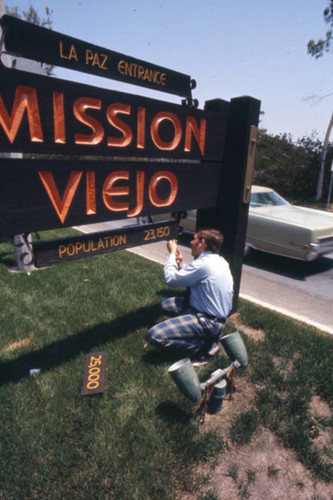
x=189, y=332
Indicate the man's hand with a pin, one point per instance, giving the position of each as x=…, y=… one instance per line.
x=179, y=258
x=172, y=246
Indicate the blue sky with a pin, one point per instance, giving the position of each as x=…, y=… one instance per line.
x=231, y=48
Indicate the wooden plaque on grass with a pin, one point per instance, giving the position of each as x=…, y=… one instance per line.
x=94, y=374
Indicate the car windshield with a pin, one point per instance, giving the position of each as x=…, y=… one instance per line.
x=266, y=198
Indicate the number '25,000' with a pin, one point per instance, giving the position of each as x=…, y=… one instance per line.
x=94, y=372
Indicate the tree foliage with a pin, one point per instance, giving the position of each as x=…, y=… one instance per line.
x=292, y=168
x=317, y=49
x=31, y=15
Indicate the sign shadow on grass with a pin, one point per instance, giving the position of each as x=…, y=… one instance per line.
x=64, y=351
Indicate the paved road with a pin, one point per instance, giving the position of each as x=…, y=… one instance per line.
x=301, y=290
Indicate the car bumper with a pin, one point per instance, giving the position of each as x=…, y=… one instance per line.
x=324, y=247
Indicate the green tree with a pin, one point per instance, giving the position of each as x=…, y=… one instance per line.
x=317, y=49
x=290, y=167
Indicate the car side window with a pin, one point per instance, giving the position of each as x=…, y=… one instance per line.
x=254, y=201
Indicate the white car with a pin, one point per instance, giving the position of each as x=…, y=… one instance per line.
x=275, y=226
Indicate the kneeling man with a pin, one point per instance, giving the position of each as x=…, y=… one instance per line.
x=200, y=318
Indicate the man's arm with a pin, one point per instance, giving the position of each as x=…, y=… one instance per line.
x=177, y=276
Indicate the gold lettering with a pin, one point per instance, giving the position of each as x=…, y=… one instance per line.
x=86, y=250
x=61, y=51
x=79, y=110
x=93, y=249
x=109, y=191
x=78, y=246
x=135, y=71
x=140, y=179
x=61, y=206
x=25, y=99
x=90, y=193
x=89, y=56
x=155, y=76
x=156, y=121
x=59, y=118
x=100, y=244
x=73, y=54
x=121, y=68
x=105, y=58
x=155, y=200
x=95, y=60
x=141, y=73
x=62, y=249
x=127, y=134
x=200, y=135
x=70, y=249
x=140, y=142
x=133, y=67
x=87, y=246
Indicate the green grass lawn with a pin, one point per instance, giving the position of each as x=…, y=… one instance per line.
x=138, y=440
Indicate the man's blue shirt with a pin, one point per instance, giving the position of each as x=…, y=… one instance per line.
x=209, y=279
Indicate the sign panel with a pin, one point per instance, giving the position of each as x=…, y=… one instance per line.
x=41, y=44
x=87, y=245
x=94, y=374
x=46, y=194
x=47, y=115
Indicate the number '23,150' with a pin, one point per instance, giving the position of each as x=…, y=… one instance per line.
x=158, y=233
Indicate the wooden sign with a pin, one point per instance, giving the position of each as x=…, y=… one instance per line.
x=87, y=245
x=41, y=44
x=94, y=374
x=161, y=157
x=45, y=194
x=40, y=114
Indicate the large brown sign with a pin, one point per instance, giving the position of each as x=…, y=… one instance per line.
x=34, y=42
x=118, y=155
x=45, y=194
x=46, y=115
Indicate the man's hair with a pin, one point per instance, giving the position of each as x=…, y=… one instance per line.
x=212, y=237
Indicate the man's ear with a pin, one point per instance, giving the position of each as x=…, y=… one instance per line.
x=203, y=244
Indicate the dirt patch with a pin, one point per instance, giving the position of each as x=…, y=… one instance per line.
x=16, y=345
x=247, y=330
x=285, y=367
x=263, y=469
x=320, y=408
x=322, y=434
